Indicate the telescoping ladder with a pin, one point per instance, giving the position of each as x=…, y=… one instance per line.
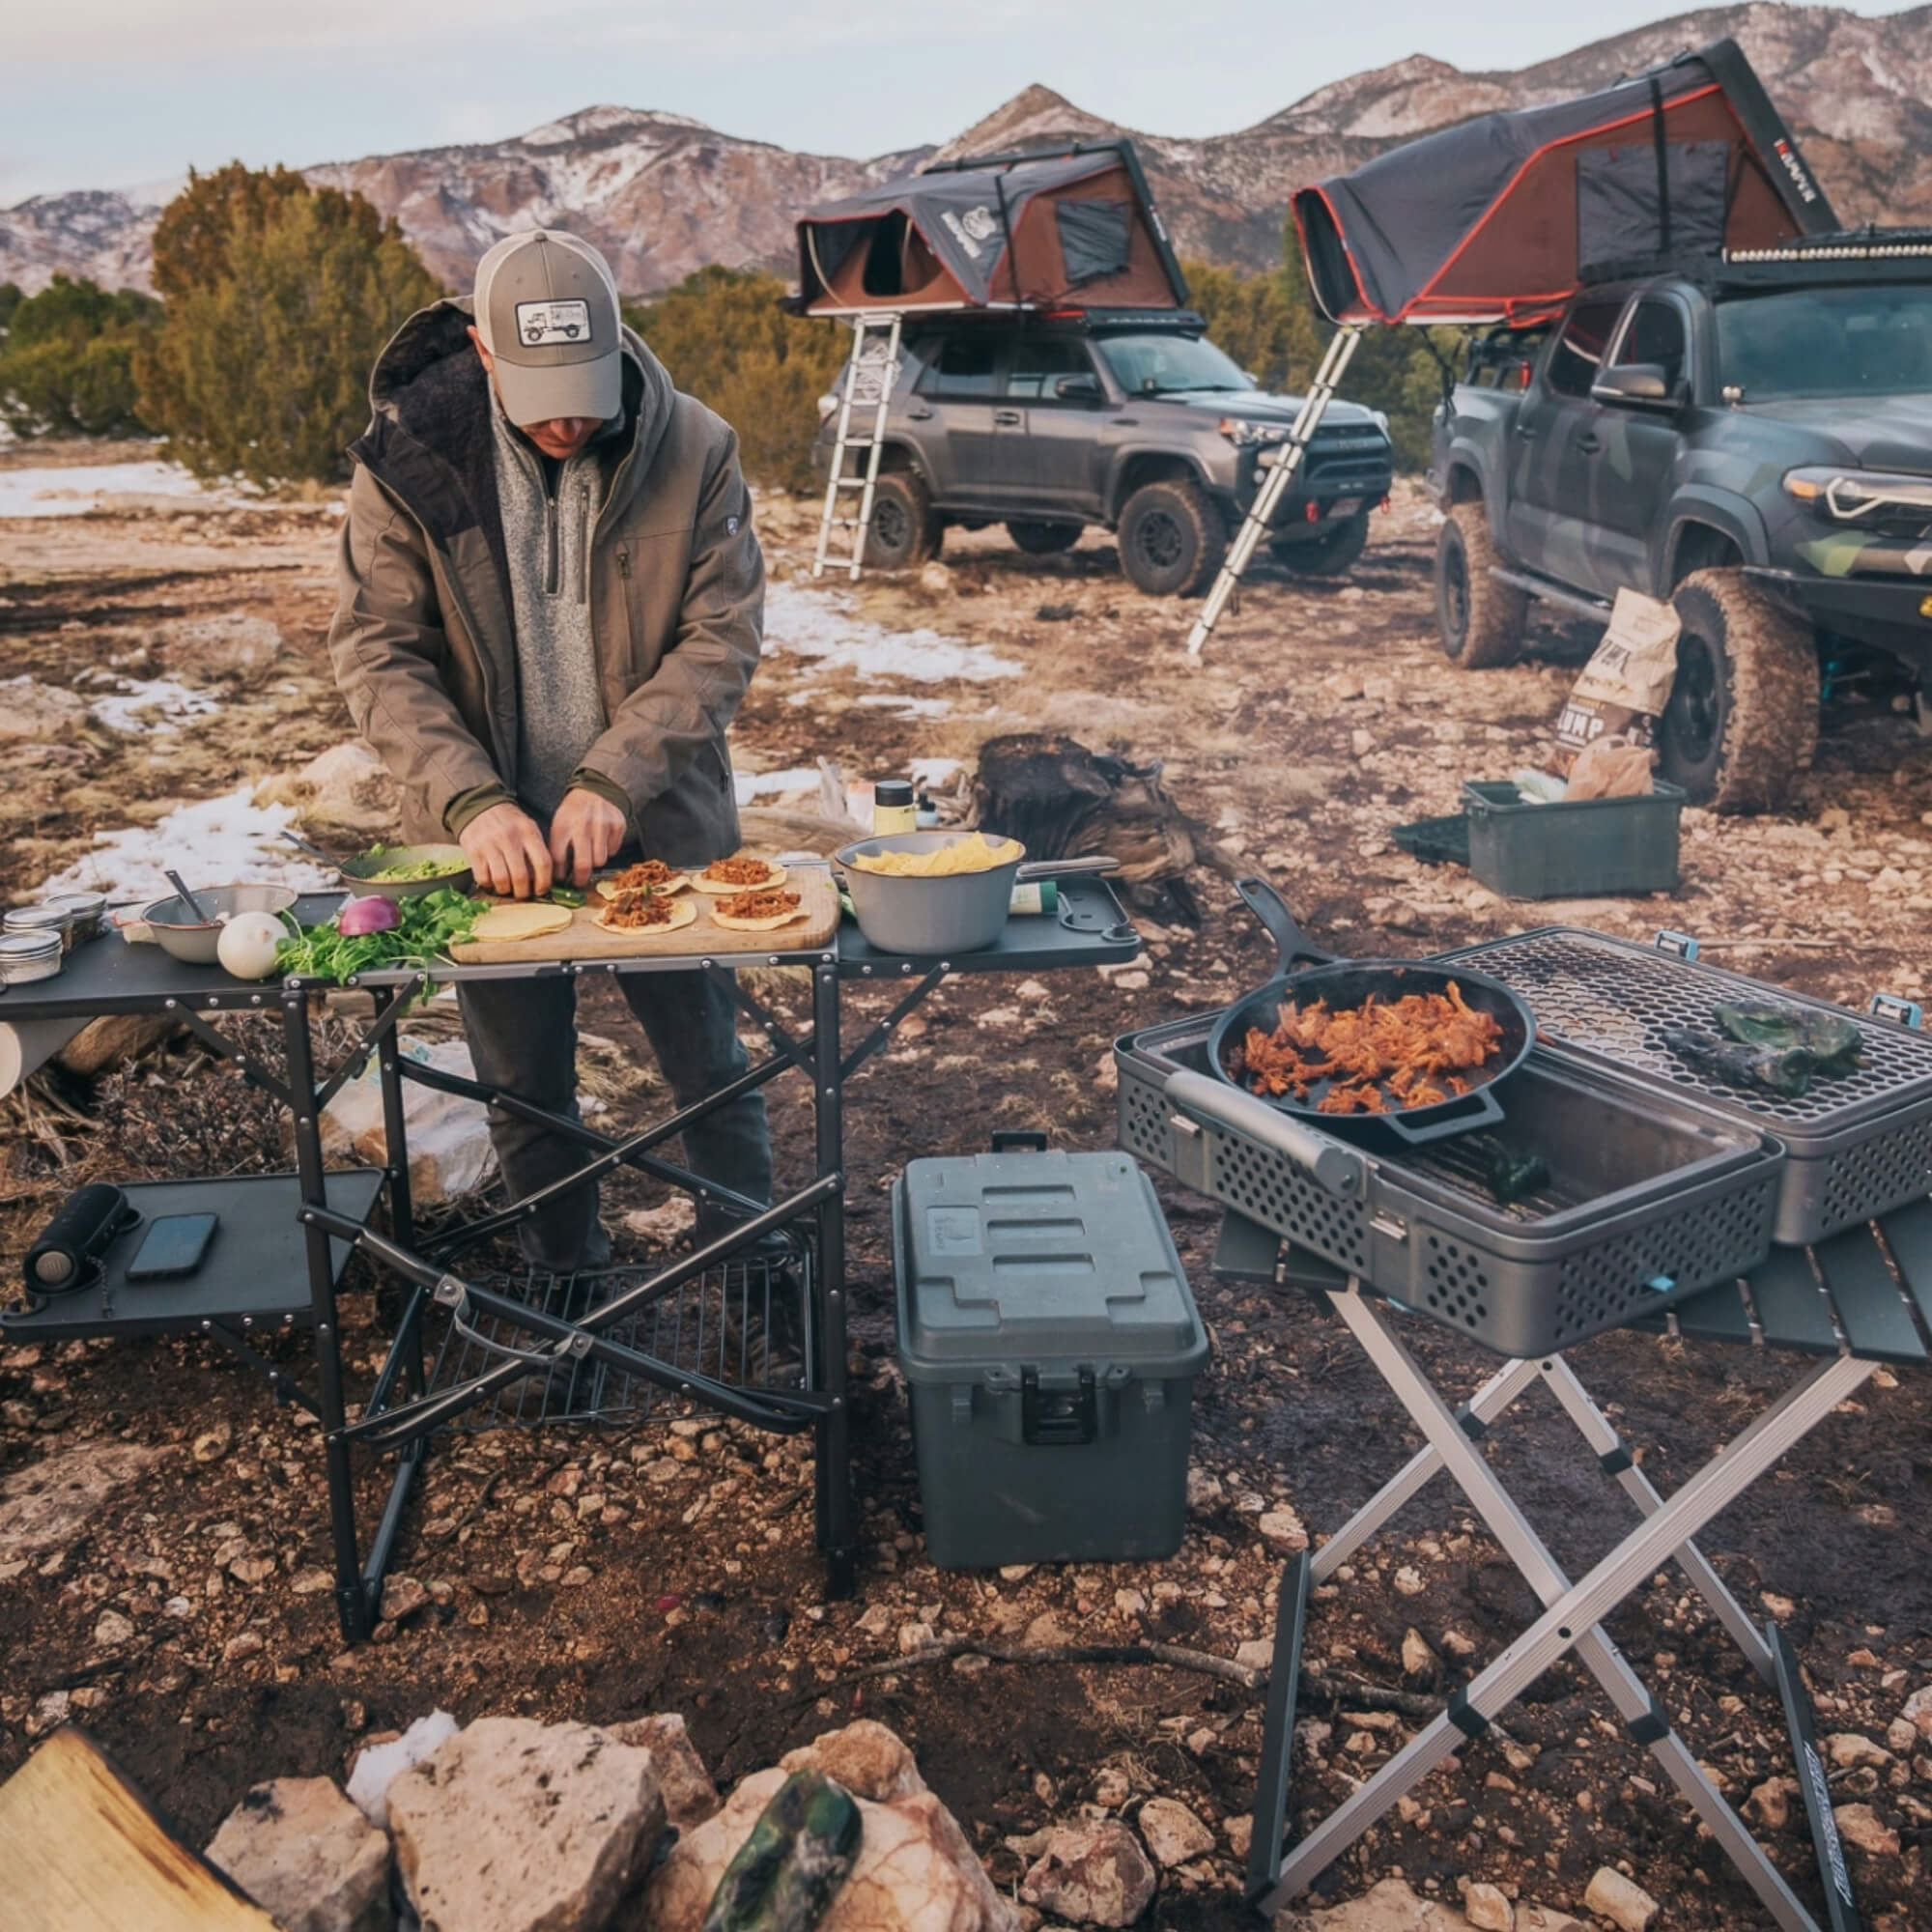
x=871, y=372
x=1274, y=484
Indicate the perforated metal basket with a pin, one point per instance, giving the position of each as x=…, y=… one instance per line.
x=1856, y=1147
x=1650, y=1198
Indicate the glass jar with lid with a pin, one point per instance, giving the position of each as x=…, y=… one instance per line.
x=87, y=912
x=40, y=919
x=25, y=956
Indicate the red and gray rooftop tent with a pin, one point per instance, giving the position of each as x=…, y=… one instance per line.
x=1075, y=228
x=1503, y=218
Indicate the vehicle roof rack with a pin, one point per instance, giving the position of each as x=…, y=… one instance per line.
x=1852, y=245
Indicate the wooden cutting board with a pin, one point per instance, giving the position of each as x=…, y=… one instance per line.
x=581, y=939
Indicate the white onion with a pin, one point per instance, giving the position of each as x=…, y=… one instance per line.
x=247, y=945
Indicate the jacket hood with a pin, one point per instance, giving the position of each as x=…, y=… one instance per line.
x=429, y=436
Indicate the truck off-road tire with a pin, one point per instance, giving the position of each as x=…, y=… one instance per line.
x=1482, y=621
x=1742, y=716
x=1171, y=539
x=1330, y=554
x=904, y=531
x=1043, y=539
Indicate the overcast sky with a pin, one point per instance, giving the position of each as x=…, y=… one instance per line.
x=114, y=93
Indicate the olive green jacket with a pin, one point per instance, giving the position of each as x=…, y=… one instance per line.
x=424, y=643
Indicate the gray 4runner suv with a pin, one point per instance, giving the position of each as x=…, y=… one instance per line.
x=1751, y=439
x=1130, y=420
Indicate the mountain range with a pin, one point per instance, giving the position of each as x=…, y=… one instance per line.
x=664, y=195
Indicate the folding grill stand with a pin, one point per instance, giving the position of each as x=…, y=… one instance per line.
x=1784, y=1305
x=1260, y=519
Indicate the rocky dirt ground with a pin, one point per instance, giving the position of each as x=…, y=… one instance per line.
x=174, y=1594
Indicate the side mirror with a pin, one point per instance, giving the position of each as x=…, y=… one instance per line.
x=1079, y=390
x=1637, y=385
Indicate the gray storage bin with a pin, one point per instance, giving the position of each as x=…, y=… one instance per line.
x=1049, y=1343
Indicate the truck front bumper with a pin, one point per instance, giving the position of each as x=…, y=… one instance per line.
x=1886, y=614
x=1336, y=490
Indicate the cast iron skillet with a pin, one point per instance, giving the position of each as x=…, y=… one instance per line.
x=1348, y=982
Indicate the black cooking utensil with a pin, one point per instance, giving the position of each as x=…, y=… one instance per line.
x=189, y=899
x=1309, y=973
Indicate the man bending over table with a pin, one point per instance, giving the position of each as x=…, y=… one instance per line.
x=549, y=604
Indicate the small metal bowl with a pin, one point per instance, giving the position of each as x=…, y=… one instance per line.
x=193, y=942
x=459, y=878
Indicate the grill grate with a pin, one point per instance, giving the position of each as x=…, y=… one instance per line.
x=1614, y=999
x=741, y=1323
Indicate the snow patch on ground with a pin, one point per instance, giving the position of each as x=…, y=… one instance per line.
x=74, y=492
x=152, y=704
x=214, y=841
x=826, y=625
x=752, y=786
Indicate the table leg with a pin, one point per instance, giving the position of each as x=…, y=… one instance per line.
x=836, y=1536
x=1594, y=1426
x=1482, y=1409
x=351, y=1599
x=402, y=1207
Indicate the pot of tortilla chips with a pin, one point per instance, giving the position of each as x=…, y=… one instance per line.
x=924, y=894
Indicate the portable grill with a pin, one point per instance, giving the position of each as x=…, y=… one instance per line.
x=1649, y=1198
x=1856, y=1147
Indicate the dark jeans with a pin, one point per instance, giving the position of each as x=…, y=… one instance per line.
x=523, y=1038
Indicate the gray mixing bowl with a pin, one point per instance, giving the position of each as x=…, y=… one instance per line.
x=928, y=916
x=181, y=936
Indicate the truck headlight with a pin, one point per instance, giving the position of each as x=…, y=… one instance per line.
x=826, y=405
x=1851, y=494
x=1242, y=433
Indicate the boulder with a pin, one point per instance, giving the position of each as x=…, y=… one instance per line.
x=47, y=1504
x=232, y=648
x=1172, y=1833
x=915, y=1871
x=345, y=792
x=301, y=1851
x=31, y=709
x=514, y=1826
x=684, y=1780
x=1093, y=1872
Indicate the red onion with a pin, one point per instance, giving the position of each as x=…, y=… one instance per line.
x=371, y=914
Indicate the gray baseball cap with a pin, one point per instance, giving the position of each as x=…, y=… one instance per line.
x=547, y=311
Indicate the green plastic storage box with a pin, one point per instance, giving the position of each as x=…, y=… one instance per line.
x=1572, y=849
x=1049, y=1343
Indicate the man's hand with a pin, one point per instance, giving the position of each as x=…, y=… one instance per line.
x=506, y=852
x=584, y=835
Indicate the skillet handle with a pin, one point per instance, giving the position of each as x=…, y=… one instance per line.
x=1337, y=1168
x=1269, y=907
x=1485, y=1111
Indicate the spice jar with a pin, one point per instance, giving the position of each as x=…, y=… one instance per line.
x=40, y=919
x=893, y=806
x=28, y=955
x=87, y=912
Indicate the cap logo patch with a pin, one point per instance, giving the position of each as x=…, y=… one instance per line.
x=545, y=325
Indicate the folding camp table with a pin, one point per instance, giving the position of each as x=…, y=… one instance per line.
x=285, y=1239
x=1838, y=1303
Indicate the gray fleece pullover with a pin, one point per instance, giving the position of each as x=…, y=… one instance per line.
x=550, y=517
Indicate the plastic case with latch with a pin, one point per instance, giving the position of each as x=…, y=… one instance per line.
x=1049, y=1343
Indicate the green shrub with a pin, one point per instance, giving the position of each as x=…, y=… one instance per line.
x=279, y=298
x=726, y=341
x=66, y=361
x=1268, y=325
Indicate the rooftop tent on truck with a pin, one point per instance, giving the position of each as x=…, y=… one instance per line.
x=1074, y=227
x=1501, y=218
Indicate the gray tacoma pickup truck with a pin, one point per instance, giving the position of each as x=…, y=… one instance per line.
x=1749, y=438
x=1129, y=420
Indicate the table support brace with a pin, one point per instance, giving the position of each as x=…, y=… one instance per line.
x=1572, y=1612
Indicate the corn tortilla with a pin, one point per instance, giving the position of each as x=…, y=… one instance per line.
x=508, y=922
x=719, y=888
x=682, y=913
